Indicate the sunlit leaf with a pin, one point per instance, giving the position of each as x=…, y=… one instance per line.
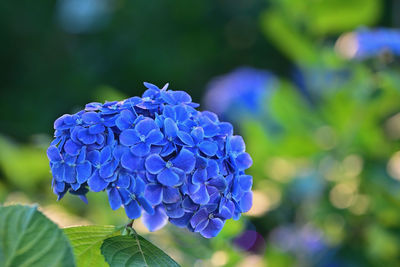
x=86, y=242
x=28, y=238
x=347, y=15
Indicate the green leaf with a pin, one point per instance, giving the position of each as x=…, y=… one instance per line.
x=287, y=38
x=28, y=238
x=86, y=242
x=134, y=250
x=347, y=15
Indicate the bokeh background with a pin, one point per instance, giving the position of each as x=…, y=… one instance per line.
x=313, y=86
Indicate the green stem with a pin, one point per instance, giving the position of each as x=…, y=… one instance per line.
x=127, y=229
x=130, y=224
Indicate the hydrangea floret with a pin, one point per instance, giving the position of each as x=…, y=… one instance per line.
x=156, y=156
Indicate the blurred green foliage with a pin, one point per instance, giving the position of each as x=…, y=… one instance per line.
x=332, y=166
x=51, y=71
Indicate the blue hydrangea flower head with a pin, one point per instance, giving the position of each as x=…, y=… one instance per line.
x=366, y=43
x=242, y=92
x=156, y=156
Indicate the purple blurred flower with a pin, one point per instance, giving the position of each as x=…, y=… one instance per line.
x=243, y=91
x=304, y=241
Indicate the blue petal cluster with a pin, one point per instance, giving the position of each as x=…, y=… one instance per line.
x=366, y=43
x=242, y=92
x=155, y=155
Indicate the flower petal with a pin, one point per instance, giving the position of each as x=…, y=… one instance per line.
x=181, y=97
x=152, y=178
x=96, y=183
x=245, y=182
x=131, y=162
x=227, y=210
x=244, y=161
x=198, y=134
x=83, y=172
x=72, y=148
x=169, y=112
x=108, y=169
x=105, y=154
x=171, y=130
x=213, y=228
x=201, y=196
x=212, y=168
x=140, y=149
x=201, y=226
x=69, y=174
x=156, y=221
x=199, y=217
x=171, y=195
x=113, y=178
x=59, y=186
x=145, y=126
x=174, y=210
x=124, y=180
x=151, y=87
x=75, y=186
x=237, y=144
x=209, y=148
x=53, y=154
x=246, y=201
x=114, y=198
x=188, y=205
x=182, y=221
x=154, y=164
x=96, y=129
x=139, y=187
x=199, y=176
x=167, y=97
x=181, y=113
x=85, y=137
x=210, y=115
x=145, y=205
x=168, y=149
x=226, y=128
x=100, y=139
x=218, y=182
x=154, y=137
x=185, y=161
x=210, y=129
x=168, y=178
x=91, y=117
x=132, y=210
x=122, y=123
x=125, y=119
x=94, y=157
x=193, y=188
x=185, y=138
x=82, y=155
x=57, y=170
x=129, y=137
x=118, y=151
x=153, y=193
x=125, y=196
